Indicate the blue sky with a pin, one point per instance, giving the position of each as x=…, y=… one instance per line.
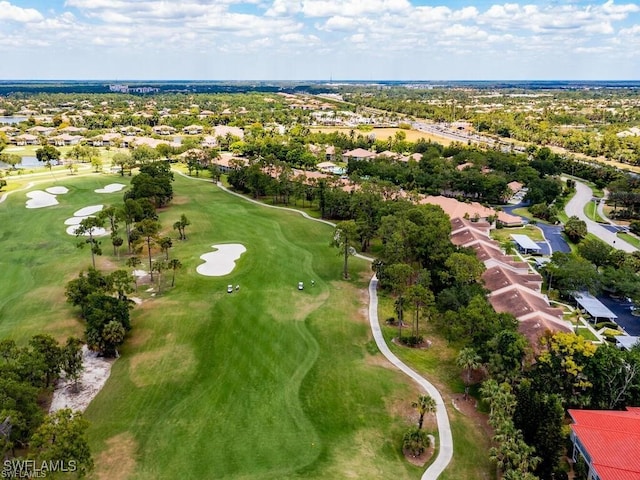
x=319, y=39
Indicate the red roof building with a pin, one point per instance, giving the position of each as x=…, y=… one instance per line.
x=608, y=441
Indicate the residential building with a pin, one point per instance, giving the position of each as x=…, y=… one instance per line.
x=608, y=441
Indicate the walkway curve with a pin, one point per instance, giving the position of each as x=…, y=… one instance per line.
x=575, y=207
x=445, y=450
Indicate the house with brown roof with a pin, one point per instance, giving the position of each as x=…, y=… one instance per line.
x=40, y=130
x=9, y=130
x=224, y=130
x=106, y=140
x=608, y=441
x=472, y=210
x=498, y=278
x=358, y=154
x=515, y=288
x=65, y=140
x=163, y=130
x=515, y=187
x=193, y=129
x=25, y=139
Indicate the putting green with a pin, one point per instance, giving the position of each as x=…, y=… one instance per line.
x=267, y=382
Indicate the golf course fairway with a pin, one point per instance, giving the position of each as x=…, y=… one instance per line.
x=266, y=382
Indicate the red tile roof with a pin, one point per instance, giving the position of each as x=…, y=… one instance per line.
x=499, y=277
x=612, y=440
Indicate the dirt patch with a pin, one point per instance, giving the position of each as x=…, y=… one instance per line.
x=117, y=462
x=139, y=337
x=173, y=361
x=469, y=408
x=379, y=360
x=305, y=305
x=94, y=376
x=420, y=460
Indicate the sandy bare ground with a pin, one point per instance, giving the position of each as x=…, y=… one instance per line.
x=80, y=215
x=95, y=375
x=57, y=190
x=90, y=210
x=222, y=261
x=40, y=199
x=111, y=188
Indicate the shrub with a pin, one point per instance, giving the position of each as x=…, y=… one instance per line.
x=412, y=340
x=415, y=441
x=612, y=325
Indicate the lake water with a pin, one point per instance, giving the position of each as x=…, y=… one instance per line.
x=27, y=162
x=12, y=120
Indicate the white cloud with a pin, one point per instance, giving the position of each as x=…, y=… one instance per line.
x=330, y=8
x=371, y=31
x=13, y=13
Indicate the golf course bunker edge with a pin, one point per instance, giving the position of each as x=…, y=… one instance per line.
x=222, y=261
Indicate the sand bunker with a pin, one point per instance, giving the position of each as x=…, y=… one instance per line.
x=80, y=215
x=74, y=220
x=94, y=376
x=86, y=211
x=57, y=190
x=96, y=232
x=40, y=199
x=222, y=261
x=111, y=188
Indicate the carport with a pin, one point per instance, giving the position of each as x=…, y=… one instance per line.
x=626, y=342
x=525, y=244
x=594, y=307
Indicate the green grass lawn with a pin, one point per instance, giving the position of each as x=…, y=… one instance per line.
x=586, y=333
x=504, y=234
x=268, y=382
x=591, y=211
x=632, y=239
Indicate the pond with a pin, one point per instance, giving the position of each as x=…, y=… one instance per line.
x=27, y=162
x=12, y=119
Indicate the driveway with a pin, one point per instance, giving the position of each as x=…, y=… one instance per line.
x=622, y=308
x=575, y=207
x=552, y=233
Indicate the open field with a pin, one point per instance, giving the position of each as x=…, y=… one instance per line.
x=266, y=382
x=384, y=133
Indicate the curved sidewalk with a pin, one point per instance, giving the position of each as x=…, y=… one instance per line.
x=445, y=451
x=445, y=447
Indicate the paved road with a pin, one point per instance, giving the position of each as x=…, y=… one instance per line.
x=575, y=207
x=445, y=450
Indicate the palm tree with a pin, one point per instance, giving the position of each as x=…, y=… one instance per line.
x=174, y=264
x=134, y=262
x=469, y=361
x=344, y=238
x=489, y=390
x=149, y=229
x=159, y=266
x=88, y=226
x=425, y=404
x=165, y=244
